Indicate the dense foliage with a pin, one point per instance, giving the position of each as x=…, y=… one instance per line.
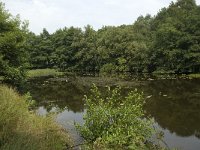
x=12, y=47
x=115, y=122
x=177, y=37
x=168, y=42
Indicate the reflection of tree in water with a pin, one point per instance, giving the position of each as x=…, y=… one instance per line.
x=179, y=111
x=175, y=104
x=62, y=95
x=58, y=94
x=197, y=134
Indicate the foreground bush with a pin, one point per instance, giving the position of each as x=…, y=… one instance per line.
x=115, y=122
x=22, y=130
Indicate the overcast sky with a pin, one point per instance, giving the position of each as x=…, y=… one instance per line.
x=55, y=14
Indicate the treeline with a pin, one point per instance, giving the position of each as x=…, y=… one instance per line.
x=167, y=43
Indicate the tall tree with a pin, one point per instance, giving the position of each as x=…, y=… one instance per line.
x=12, y=50
x=67, y=43
x=176, y=43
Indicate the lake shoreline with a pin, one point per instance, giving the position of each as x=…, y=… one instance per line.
x=37, y=73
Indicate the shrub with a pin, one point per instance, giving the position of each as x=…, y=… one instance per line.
x=15, y=76
x=113, y=121
x=108, y=68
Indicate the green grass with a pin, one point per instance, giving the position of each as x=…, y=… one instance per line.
x=43, y=72
x=1, y=78
x=194, y=75
x=21, y=129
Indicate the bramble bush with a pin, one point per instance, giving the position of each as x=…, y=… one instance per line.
x=113, y=121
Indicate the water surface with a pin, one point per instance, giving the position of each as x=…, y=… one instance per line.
x=174, y=104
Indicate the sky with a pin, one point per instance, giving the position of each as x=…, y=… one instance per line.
x=55, y=14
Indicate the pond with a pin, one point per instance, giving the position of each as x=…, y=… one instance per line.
x=173, y=103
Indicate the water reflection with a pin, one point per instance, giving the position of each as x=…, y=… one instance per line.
x=179, y=110
x=174, y=104
x=58, y=94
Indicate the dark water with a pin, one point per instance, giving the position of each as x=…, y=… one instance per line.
x=174, y=104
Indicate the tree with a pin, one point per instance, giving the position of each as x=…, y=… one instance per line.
x=12, y=48
x=176, y=38
x=67, y=43
x=88, y=56
x=168, y=43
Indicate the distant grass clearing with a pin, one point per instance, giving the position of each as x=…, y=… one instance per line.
x=43, y=72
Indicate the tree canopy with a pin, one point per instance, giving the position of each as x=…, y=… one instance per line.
x=12, y=47
x=168, y=42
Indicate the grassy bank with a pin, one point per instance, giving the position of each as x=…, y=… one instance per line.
x=53, y=72
x=194, y=75
x=1, y=78
x=22, y=130
x=43, y=73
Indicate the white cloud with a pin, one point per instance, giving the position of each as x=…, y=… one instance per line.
x=54, y=14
